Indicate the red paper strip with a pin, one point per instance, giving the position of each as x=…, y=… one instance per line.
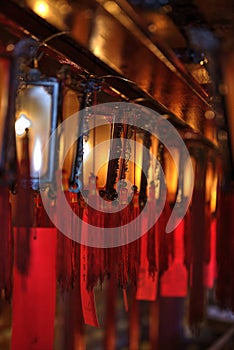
x=34, y=295
x=146, y=285
x=174, y=282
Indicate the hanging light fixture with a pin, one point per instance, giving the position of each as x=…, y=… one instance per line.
x=36, y=111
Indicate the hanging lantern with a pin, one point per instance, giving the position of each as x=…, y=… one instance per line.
x=72, y=94
x=36, y=110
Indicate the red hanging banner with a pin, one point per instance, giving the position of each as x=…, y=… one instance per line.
x=174, y=282
x=34, y=294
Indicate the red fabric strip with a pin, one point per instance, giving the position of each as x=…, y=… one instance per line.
x=34, y=295
x=174, y=282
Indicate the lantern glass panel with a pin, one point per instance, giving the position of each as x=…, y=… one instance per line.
x=71, y=106
x=96, y=149
x=37, y=110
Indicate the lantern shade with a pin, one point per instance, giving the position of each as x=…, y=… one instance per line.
x=171, y=172
x=37, y=110
x=7, y=141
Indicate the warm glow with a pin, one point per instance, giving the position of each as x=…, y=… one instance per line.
x=171, y=172
x=37, y=156
x=213, y=196
x=188, y=177
x=211, y=187
x=112, y=7
x=209, y=181
x=21, y=124
x=41, y=8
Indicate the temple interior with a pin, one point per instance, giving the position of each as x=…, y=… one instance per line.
x=116, y=174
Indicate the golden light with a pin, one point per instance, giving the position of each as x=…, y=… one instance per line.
x=213, y=198
x=41, y=8
x=209, y=180
x=188, y=177
x=171, y=173
x=211, y=187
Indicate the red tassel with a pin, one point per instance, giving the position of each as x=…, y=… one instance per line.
x=67, y=259
x=165, y=240
x=134, y=247
x=123, y=250
x=6, y=252
x=151, y=244
x=95, y=218
x=112, y=254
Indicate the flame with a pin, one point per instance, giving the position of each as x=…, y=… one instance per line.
x=37, y=156
x=21, y=124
